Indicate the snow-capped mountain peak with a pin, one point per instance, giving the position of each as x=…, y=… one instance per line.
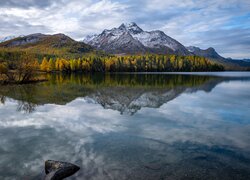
x=145, y=41
x=131, y=27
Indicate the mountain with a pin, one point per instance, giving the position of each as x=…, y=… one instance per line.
x=131, y=39
x=126, y=39
x=47, y=44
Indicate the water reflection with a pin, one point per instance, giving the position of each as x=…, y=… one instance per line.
x=198, y=129
x=126, y=93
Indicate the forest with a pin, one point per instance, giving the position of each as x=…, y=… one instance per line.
x=21, y=66
x=135, y=63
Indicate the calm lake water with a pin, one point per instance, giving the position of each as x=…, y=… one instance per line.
x=129, y=126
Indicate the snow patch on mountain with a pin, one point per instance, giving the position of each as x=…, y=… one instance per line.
x=192, y=48
x=156, y=39
x=90, y=37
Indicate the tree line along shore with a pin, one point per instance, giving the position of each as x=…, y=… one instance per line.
x=22, y=68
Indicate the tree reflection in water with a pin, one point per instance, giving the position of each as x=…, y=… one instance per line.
x=26, y=107
x=2, y=99
x=126, y=93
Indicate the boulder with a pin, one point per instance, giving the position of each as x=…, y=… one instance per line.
x=57, y=170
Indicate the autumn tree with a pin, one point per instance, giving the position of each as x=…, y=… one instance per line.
x=148, y=62
x=26, y=68
x=45, y=65
x=51, y=65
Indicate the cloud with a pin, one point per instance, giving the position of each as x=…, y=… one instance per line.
x=232, y=42
x=217, y=23
x=75, y=18
x=211, y=24
x=26, y=3
x=13, y=25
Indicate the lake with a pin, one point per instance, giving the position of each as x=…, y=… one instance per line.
x=128, y=126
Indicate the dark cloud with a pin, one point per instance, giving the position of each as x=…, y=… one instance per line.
x=26, y=3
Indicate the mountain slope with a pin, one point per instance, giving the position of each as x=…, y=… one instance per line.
x=130, y=38
x=46, y=44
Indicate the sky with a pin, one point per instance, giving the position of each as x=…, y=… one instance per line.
x=222, y=24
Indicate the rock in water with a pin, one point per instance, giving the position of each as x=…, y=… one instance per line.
x=57, y=170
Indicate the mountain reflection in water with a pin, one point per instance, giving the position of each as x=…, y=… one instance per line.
x=126, y=93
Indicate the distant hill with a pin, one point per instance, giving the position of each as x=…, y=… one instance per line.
x=229, y=63
x=58, y=44
x=208, y=53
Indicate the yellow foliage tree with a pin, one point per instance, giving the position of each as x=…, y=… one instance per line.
x=45, y=65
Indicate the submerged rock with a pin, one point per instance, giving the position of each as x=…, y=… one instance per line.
x=57, y=170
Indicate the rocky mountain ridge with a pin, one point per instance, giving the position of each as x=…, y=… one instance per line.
x=130, y=39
